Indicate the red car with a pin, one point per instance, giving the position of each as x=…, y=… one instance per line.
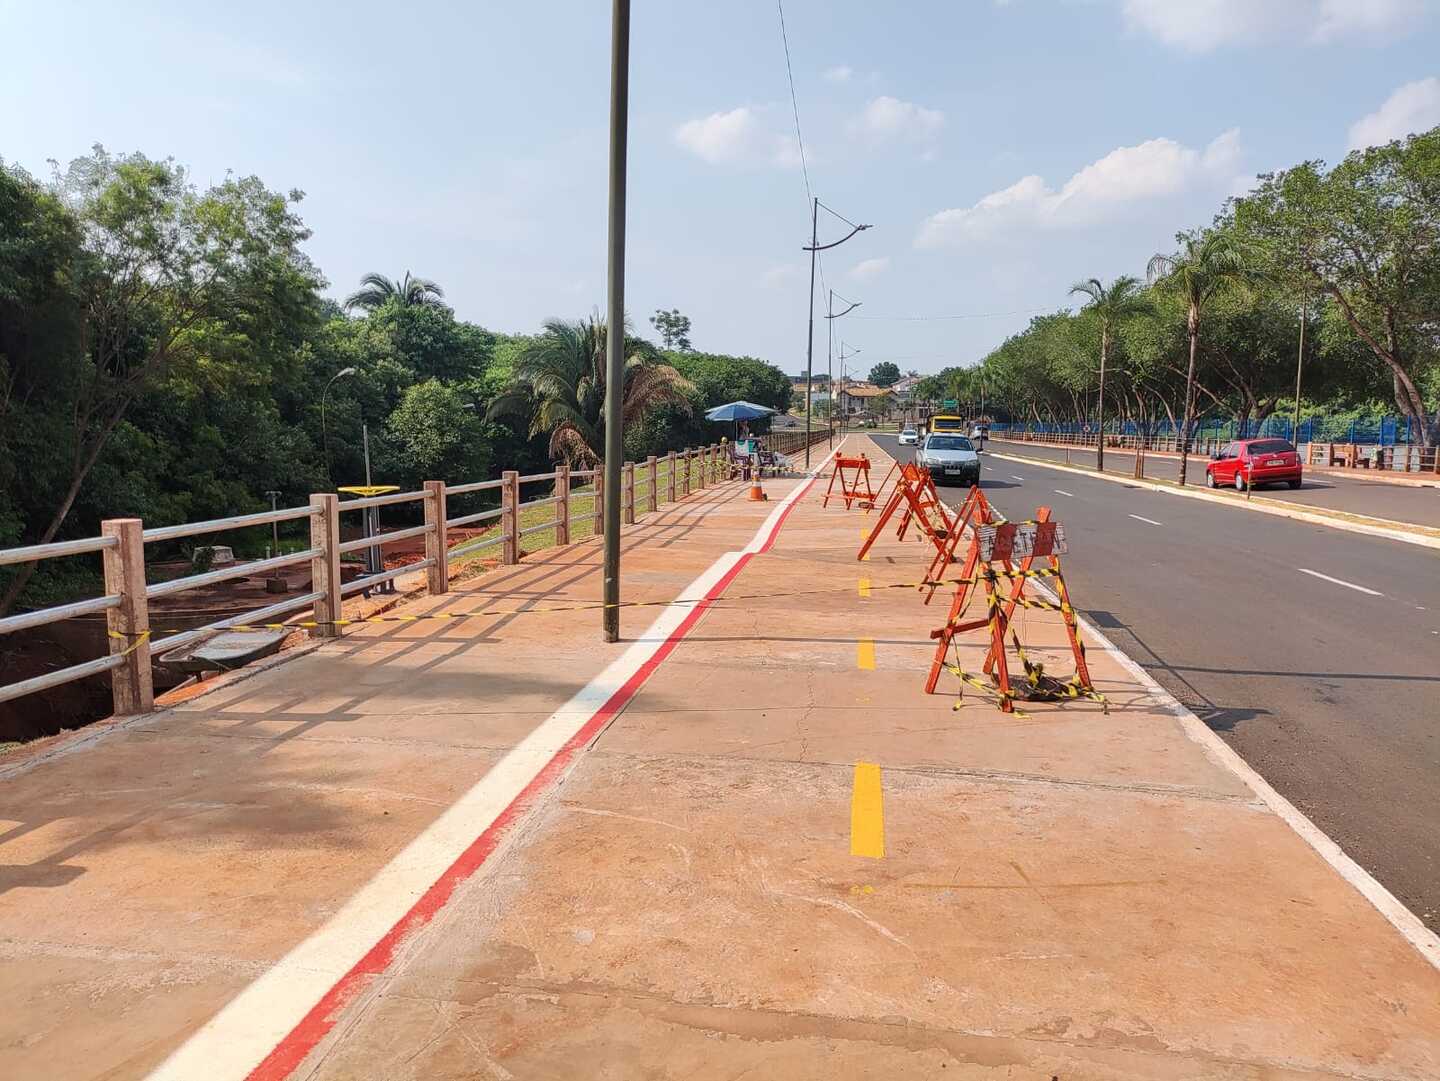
x=1254, y=461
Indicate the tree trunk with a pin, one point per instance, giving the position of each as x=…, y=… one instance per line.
x=1194, y=326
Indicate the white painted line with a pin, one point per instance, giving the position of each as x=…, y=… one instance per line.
x=1014, y=477
x=266, y=1030
x=1425, y=941
x=1340, y=582
x=1062, y=491
x=1152, y=521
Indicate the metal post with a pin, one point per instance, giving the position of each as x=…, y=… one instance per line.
x=131, y=685
x=673, y=478
x=274, y=526
x=653, y=465
x=628, y=506
x=810, y=339
x=325, y=567
x=365, y=439
x=615, y=318
x=510, y=516
x=1299, y=366
x=437, y=575
x=562, y=503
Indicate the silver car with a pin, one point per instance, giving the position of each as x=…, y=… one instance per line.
x=909, y=438
x=949, y=458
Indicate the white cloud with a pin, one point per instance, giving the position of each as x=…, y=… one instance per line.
x=780, y=275
x=1202, y=25
x=887, y=119
x=1103, y=189
x=868, y=268
x=840, y=73
x=738, y=137
x=1414, y=107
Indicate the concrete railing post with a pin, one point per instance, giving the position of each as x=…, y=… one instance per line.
x=325, y=566
x=685, y=471
x=599, y=526
x=627, y=501
x=510, y=516
x=437, y=575
x=653, y=465
x=562, y=503
x=673, y=478
x=131, y=685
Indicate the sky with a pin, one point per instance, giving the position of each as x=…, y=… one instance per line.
x=1000, y=149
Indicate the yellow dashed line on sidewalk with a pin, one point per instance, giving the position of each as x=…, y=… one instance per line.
x=867, y=813
x=864, y=587
x=863, y=534
x=865, y=654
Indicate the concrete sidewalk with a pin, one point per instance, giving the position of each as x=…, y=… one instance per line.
x=673, y=893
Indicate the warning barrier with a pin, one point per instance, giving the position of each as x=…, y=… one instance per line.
x=854, y=477
x=1002, y=543
x=915, y=492
x=976, y=511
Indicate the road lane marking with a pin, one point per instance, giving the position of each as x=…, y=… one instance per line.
x=865, y=654
x=1340, y=582
x=1062, y=491
x=864, y=587
x=867, y=813
x=1014, y=477
x=864, y=535
x=1152, y=521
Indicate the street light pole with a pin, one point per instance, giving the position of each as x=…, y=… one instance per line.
x=1299, y=367
x=815, y=249
x=324, y=427
x=830, y=316
x=615, y=315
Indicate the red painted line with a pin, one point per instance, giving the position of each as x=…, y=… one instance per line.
x=291, y=1051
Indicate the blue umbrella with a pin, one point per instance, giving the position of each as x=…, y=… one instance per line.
x=738, y=411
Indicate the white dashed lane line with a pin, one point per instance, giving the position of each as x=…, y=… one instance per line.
x=1152, y=521
x=1014, y=477
x=1062, y=491
x=1340, y=582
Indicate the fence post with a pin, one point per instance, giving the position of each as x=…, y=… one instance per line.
x=598, y=528
x=672, y=475
x=510, y=516
x=652, y=463
x=325, y=566
x=627, y=502
x=437, y=545
x=131, y=685
x=562, y=503
x=685, y=476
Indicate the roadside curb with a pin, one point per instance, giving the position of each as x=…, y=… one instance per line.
x=1401, y=531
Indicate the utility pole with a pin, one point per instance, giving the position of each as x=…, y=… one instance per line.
x=815, y=249
x=830, y=316
x=615, y=317
x=1299, y=367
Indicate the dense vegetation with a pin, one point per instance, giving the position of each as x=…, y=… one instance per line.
x=167, y=352
x=1345, y=260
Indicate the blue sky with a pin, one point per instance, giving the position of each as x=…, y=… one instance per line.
x=1001, y=150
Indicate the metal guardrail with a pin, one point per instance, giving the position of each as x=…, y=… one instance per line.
x=125, y=602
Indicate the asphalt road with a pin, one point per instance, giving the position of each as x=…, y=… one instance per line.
x=1312, y=651
x=1399, y=502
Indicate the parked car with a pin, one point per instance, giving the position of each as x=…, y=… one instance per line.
x=950, y=459
x=909, y=437
x=1254, y=461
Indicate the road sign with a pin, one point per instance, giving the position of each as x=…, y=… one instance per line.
x=950, y=403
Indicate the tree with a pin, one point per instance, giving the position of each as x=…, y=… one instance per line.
x=885, y=374
x=1366, y=235
x=165, y=279
x=1110, y=307
x=376, y=291
x=1207, y=263
x=674, y=328
x=559, y=388
x=436, y=434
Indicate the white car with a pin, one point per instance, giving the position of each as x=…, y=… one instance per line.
x=949, y=458
x=909, y=438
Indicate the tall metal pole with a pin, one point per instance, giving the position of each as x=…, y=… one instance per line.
x=615, y=316
x=1299, y=366
x=830, y=366
x=810, y=340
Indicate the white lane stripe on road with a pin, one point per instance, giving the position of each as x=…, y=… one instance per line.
x=1152, y=521
x=1014, y=477
x=1062, y=491
x=1340, y=582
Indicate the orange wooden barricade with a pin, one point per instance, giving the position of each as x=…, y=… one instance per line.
x=914, y=492
x=854, y=477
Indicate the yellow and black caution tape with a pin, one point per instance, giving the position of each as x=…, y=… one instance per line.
x=986, y=688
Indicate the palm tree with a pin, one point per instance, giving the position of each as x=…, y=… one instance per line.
x=1207, y=262
x=376, y=290
x=559, y=388
x=1112, y=307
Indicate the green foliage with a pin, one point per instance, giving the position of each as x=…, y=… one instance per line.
x=435, y=433
x=673, y=328
x=885, y=374
x=376, y=291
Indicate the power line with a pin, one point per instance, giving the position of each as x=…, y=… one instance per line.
x=938, y=318
x=794, y=104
